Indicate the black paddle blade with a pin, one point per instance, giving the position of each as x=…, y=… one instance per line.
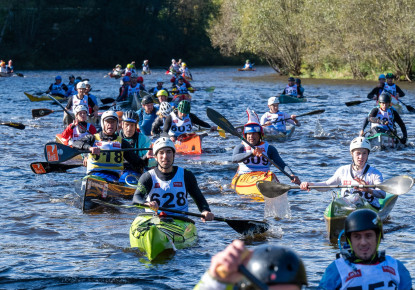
x=222, y=122
x=107, y=100
x=19, y=126
x=410, y=108
x=37, y=113
x=57, y=153
x=316, y=112
x=248, y=227
x=20, y=75
x=272, y=189
x=353, y=103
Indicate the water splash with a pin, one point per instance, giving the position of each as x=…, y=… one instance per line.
x=277, y=207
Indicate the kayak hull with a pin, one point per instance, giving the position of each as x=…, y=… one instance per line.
x=189, y=144
x=245, y=184
x=246, y=69
x=285, y=99
x=153, y=234
x=33, y=98
x=272, y=134
x=383, y=141
x=5, y=75
x=337, y=212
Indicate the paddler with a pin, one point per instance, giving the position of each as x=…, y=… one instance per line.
x=130, y=93
x=88, y=92
x=181, y=121
x=363, y=266
x=359, y=172
x=274, y=121
x=80, y=99
x=300, y=88
x=181, y=90
x=9, y=67
x=158, y=88
x=136, y=140
x=57, y=88
x=163, y=96
x=147, y=115
x=251, y=160
x=174, y=67
x=375, y=93
x=108, y=165
x=117, y=71
x=146, y=68
x=71, y=84
x=292, y=89
x=277, y=267
x=79, y=127
x=184, y=70
x=383, y=118
x=168, y=185
x=163, y=112
x=248, y=65
x=392, y=88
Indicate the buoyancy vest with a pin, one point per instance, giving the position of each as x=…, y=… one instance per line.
x=106, y=161
x=255, y=163
x=179, y=126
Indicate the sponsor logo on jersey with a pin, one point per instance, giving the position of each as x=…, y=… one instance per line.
x=353, y=274
x=157, y=185
x=347, y=182
x=117, y=145
x=175, y=121
x=98, y=144
x=178, y=184
x=389, y=269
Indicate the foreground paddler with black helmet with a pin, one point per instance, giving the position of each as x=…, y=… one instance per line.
x=266, y=267
x=363, y=266
x=359, y=172
x=108, y=165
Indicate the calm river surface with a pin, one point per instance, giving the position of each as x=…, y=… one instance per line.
x=47, y=242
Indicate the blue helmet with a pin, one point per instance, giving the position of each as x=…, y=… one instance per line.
x=126, y=79
x=253, y=128
x=58, y=78
x=382, y=76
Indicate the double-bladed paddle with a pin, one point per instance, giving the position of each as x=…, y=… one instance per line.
x=244, y=227
x=354, y=103
x=45, y=167
x=222, y=122
x=408, y=107
x=57, y=152
x=60, y=105
x=396, y=185
x=19, y=126
x=37, y=113
x=107, y=100
x=316, y=112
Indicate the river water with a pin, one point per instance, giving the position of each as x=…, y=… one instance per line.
x=47, y=242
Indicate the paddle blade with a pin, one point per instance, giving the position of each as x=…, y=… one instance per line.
x=410, y=108
x=210, y=89
x=57, y=153
x=221, y=132
x=107, y=100
x=354, y=103
x=19, y=126
x=272, y=189
x=316, y=112
x=37, y=113
x=45, y=167
x=397, y=185
x=248, y=227
x=222, y=122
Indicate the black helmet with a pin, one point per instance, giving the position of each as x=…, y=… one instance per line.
x=276, y=265
x=130, y=116
x=297, y=81
x=147, y=100
x=390, y=76
x=291, y=79
x=363, y=220
x=385, y=98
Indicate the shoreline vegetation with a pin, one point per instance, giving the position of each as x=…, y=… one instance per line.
x=315, y=38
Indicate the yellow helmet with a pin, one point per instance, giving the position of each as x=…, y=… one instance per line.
x=162, y=93
x=129, y=66
x=183, y=64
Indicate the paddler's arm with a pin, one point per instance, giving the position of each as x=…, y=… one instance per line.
x=136, y=162
x=401, y=124
x=365, y=122
x=275, y=156
x=334, y=180
x=373, y=95
x=197, y=121
x=378, y=178
x=372, y=116
x=331, y=278
x=193, y=189
x=239, y=154
x=84, y=143
x=167, y=125
x=399, y=92
x=144, y=186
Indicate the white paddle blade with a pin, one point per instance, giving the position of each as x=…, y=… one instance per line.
x=398, y=185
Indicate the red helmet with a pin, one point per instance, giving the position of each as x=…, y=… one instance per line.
x=140, y=79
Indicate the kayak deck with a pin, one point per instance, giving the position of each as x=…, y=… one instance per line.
x=153, y=234
x=33, y=98
x=245, y=184
x=383, y=141
x=285, y=99
x=190, y=144
x=274, y=135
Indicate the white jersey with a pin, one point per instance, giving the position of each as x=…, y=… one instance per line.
x=291, y=91
x=391, y=90
x=76, y=134
x=277, y=120
x=178, y=126
x=384, y=275
x=169, y=194
x=384, y=116
x=345, y=176
x=255, y=163
x=76, y=101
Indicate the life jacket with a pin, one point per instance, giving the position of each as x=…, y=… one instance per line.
x=255, y=163
x=179, y=126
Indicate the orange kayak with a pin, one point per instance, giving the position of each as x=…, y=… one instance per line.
x=245, y=184
x=189, y=143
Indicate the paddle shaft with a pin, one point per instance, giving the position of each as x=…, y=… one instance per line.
x=342, y=186
x=316, y=112
x=58, y=103
x=395, y=135
x=113, y=150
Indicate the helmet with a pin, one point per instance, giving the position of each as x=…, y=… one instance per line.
x=118, y=66
x=147, y=100
x=291, y=79
x=390, y=76
x=274, y=265
x=273, y=100
x=173, y=60
x=163, y=142
x=86, y=83
x=183, y=64
x=253, y=128
x=165, y=108
x=160, y=81
x=363, y=220
x=382, y=76
x=108, y=115
x=71, y=77
x=58, y=78
x=80, y=108
x=80, y=85
x=146, y=60
x=162, y=93
x=130, y=116
x=129, y=66
x=359, y=142
x=298, y=81
x=247, y=61
x=140, y=79
x=184, y=107
x=385, y=98
x=126, y=79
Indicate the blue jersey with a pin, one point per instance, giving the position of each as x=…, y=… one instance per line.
x=145, y=121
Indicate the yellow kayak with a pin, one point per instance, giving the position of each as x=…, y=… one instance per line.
x=245, y=184
x=33, y=98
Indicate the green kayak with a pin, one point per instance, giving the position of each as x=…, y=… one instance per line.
x=285, y=99
x=337, y=211
x=153, y=234
x=383, y=141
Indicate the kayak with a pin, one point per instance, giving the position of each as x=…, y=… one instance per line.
x=337, y=211
x=94, y=187
x=383, y=141
x=153, y=234
x=5, y=75
x=189, y=143
x=33, y=98
x=246, y=69
x=285, y=99
x=272, y=134
x=245, y=184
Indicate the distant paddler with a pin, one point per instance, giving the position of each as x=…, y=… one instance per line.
x=375, y=93
x=174, y=67
x=164, y=111
x=116, y=72
x=80, y=99
x=185, y=72
x=358, y=172
x=393, y=89
x=58, y=88
x=108, y=165
x=146, y=68
x=79, y=127
x=168, y=186
x=248, y=65
x=158, y=88
x=130, y=94
x=147, y=114
x=181, y=121
x=275, y=121
x=384, y=117
x=182, y=90
x=292, y=89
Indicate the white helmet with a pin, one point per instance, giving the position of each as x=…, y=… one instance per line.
x=81, y=85
x=86, y=83
x=163, y=142
x=273, y=100
x=108, y=115
x=360, y=142
x=80, y=108
x=165, y=108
